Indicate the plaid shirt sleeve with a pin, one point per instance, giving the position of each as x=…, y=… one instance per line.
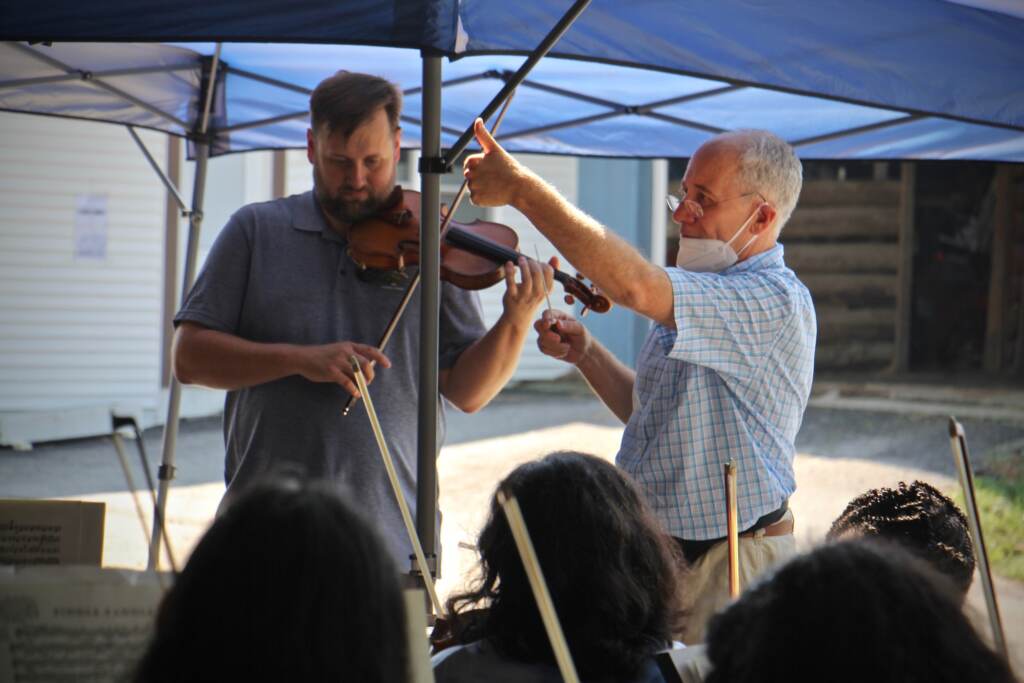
x=727, y=323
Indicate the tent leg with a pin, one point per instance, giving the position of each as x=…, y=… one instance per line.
x=170, y=438
x=430, y=273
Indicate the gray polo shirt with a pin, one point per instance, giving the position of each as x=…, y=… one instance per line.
x=278, y=273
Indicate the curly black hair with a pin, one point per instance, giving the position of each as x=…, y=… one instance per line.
x=613, y=573
x=849, y=612
x=917, y=517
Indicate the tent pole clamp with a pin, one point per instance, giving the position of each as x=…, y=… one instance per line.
x=435, y=166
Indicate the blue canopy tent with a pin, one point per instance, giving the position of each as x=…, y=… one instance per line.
x=918, y=79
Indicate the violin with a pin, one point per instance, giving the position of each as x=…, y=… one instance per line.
x=472, y=254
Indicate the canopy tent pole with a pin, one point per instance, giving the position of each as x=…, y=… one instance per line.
x=171, y=187
x=432, y=165
x=170, y=436
x=195, y=220
x=80, y=75
x=430, y=308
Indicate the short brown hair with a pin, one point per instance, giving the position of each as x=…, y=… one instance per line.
x=343, y=102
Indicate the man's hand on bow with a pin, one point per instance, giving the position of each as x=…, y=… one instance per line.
x=330, y=363
x=561, y=336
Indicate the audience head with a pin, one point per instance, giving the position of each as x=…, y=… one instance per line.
x=611, y=570
x=853, y=611
x=289, y=583
x=917, y=517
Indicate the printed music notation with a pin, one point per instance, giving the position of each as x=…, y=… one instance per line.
x=73, y=623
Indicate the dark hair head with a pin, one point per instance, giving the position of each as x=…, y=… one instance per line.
x=343, y=102
x=855, y=611
x=611, y=570
x=288, y=584
x=917, y=517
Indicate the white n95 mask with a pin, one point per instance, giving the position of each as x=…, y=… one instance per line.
x=705, y=255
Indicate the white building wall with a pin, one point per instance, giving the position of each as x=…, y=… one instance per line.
x=80, y=336
x=77, y=333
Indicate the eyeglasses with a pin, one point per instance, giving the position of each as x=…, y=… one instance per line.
x=697, y=209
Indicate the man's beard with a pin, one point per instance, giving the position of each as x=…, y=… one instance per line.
x=349, y=211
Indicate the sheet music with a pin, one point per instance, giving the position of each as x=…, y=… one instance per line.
x=51, y=532
x=73, y=623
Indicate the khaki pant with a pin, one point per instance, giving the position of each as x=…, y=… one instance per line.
x=706, y=584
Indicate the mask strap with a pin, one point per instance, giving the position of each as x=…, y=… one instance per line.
x=744, y=227
x=749, y=242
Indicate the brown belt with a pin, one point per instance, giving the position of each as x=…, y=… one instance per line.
x=783, y=527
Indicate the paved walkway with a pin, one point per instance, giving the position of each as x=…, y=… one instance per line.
x=843, y=450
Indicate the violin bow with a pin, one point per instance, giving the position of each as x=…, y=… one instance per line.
x=403, y=506
x=547, y=292
x=411, y=289
x=958, y=442
x=732, y=529
x=514, y=515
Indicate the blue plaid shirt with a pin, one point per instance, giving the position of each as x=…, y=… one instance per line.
x=731, y=382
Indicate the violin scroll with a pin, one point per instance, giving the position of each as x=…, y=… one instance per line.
x=576, y=288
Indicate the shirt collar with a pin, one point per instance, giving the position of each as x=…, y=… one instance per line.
x=771, y=258
x=307, y=216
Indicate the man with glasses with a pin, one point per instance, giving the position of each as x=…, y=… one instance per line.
x=725, y=372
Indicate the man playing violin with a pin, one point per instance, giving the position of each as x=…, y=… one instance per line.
x=725, y=372
x=280, y=307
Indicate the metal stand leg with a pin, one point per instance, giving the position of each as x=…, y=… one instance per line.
x=170, y=437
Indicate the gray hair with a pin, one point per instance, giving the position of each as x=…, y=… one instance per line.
x=769, y=165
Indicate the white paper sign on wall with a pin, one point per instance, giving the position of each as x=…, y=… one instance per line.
x=91, y=227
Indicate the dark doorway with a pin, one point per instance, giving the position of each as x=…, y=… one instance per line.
x=954, y=223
